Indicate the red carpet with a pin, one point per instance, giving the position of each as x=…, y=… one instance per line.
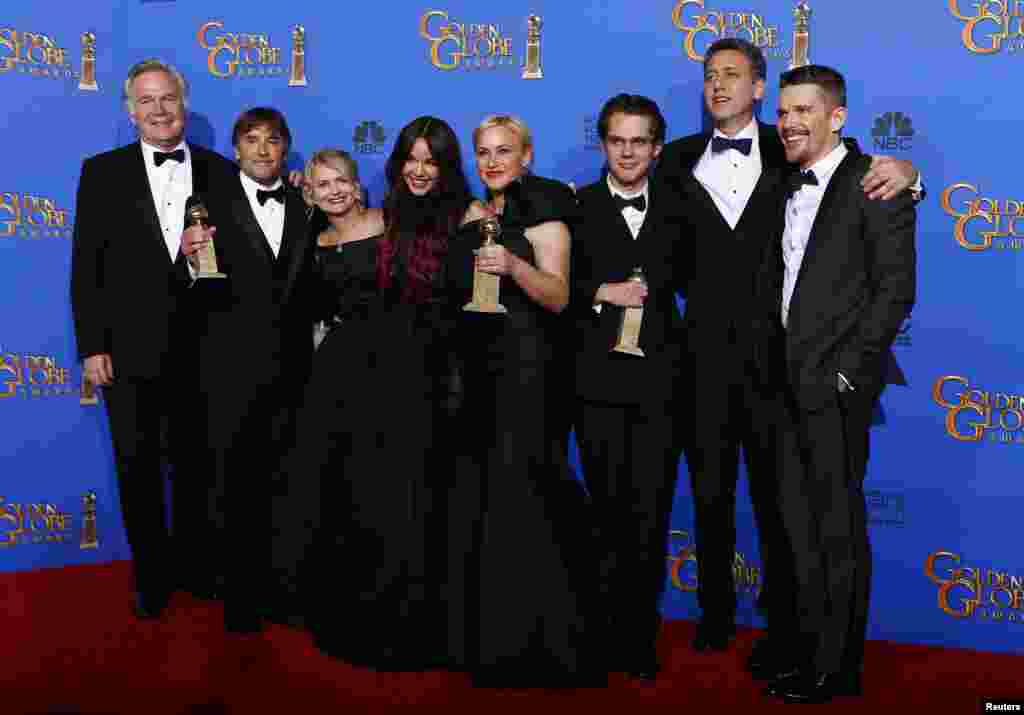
x=68, y=645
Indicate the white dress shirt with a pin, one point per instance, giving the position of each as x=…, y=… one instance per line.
x=730, y=176
x=801, y=210
x=171, y=185
x=270, y=215
x=634, y=218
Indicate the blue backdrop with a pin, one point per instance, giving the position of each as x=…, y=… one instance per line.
x=930, y=81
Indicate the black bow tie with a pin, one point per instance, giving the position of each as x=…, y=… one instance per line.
x=637, y=202
x=720, y=144
x=277, y=194
x=178, y=155
x=798, y=179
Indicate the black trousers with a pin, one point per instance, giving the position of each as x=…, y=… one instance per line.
x=731, y=411
x=826, y=453
x=630, y=458
x=147, y=434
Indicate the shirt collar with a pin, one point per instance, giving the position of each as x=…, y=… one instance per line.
x=148, y=150
x=616, y=191
x=748, y=132
x=824, y=167
x=251, y=187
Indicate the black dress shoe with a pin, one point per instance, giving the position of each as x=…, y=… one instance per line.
x=768, y=662
x=813, y=688
x=245, y=623
x=712, y=639
x=646, y=672
x=149, y=608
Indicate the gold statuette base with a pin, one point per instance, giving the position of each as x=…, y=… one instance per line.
x=629, y=332
x=207, y=260
x=485, y=294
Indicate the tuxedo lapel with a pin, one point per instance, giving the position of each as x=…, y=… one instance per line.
x=621, y=231
x=144, y=199
x=294, y=240
x=249, y=225
x=822, y=228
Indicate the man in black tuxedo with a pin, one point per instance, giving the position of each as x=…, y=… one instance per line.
x=627, y=427
x=726, y=185
x=254, y=349
x=841, y=283
x=128, y=277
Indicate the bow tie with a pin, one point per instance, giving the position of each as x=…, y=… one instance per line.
x=798, y=179
x=637, y=202
x=277, y=194
x=178, y=155
x=720, y=144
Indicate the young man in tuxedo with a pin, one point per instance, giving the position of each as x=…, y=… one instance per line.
x=627, y=429
x=254, y=348
x=724, y=181
x=841, y=282
x=128, y=279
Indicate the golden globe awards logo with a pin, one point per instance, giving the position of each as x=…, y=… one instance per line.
x=990, y=26
x=453, y=44
x=974, y=415
x=973, y=592
x=251, y=54
x=33, y=375
x=38, y=54
x=682, y=560
x=33, y=523
x=984, y=223
x=31, y=216
x=701, y=26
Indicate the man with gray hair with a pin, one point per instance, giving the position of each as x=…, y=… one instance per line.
x=128, y=276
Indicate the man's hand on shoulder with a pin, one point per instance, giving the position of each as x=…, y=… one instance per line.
x=888, y=177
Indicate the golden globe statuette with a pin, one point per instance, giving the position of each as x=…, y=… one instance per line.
x=532, y=69
x=486, y=285
x=205, y=261
x=801, y=35
x=88, y=79
x=298, y=75
x=90, y=536
x=632, y=319
x=88, y=396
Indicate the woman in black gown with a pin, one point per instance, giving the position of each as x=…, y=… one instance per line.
x=519, y=587
x=376, y=398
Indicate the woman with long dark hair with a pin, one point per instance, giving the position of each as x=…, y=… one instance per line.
x=519, y=586
x=369, y=582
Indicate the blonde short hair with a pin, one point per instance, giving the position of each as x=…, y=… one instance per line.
x=336, y=159
x=152, y=65
x=508, y=121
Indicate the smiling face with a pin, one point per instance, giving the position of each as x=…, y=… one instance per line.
x=421, y=170
x=260, y=153
x=809, y=122
x=501, y=157
x=731, y=90
x=333, y=190
x=629, y=149
x=158, y=109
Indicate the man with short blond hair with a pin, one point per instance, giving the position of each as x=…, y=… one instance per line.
x=128, y=279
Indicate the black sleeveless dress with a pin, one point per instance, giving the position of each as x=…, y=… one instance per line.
x=519, y=586
x=361, y=467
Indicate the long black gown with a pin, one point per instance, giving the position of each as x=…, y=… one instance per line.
x=519, y=584
x=358, y=568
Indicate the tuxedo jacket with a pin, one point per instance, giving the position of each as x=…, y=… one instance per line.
x=254, y=328
x=125, y=288
x=855, y=287
x=604, y=251
x=722, y=264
